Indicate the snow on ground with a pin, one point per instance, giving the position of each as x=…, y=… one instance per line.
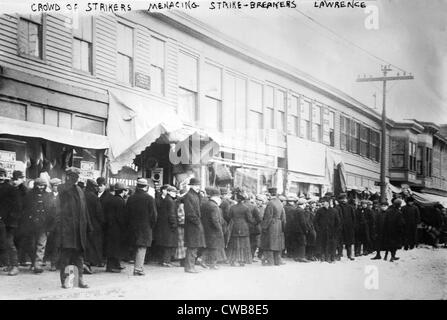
x=419, y=274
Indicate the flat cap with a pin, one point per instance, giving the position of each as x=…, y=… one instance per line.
x=40, y=182
x=17, y=174
x=101, y=181
x=172, y=189
x=55, y=182
x=142, y=182
x=302, y=201
x=384, y=203
x=194, y=182
x=282, y=198
x=73, y=170
x=2, y=171
x=292, y=198
x=213, y=192
x=342, y=196
x=120, y=186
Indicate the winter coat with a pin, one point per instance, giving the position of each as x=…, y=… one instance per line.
x=116, y=220
x=240, y=219
x=273, y=226
x=39, y=212
x=361, y=225
x=94, y=250
x=9, y=205
x=311, y=236
x=326, y=224
x=194, y=234
x=165, y=233
x=255, y=226
x=347, y=215
x=412, y=218
x=393, y=229
x=212, y=225
x=377, y=237
x=142, y=216
x=72, y=218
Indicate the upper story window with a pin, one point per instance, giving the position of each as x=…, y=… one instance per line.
x=344, y=133
x=187, y=81
x=281, y=109
x=211, y=110
x=316, y=123
x=412, y=149
x=157, y=59
x=125, y=54
x=419, y=160
x=355, y=132
x=255, y=115
x=397, y=152
x=235, y=103
x=305, y=106
x=30, y=36
x=429, y=162
x=364, y=141
x=269, y=97
x=82, y=44
x=293, y=116
x=374, y=149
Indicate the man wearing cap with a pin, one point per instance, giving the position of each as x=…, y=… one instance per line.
x=412, y=218
x=212, y=226
x=116, y=220
x=94, y=250
x=39, y=210
x=51, y=250
x=9, y=218
x=289, y=231
x=326, y=224
x=225, y=211
x=361, y=229
x=194, y=234
x=379, y=219
x=347, y=215
x=311, y=236
x=393, y=229
x=254, y=226
x=166, y=233
x=73, y=223
x=142, y=217
x=273, y=226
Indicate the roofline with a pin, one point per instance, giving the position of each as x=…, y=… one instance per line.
x=202, y=31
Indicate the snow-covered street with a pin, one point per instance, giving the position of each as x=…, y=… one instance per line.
x=419, y=274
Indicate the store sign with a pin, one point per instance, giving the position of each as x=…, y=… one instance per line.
x=87, y=170
x=142, y=81
x=8, y=161
x=255, y=158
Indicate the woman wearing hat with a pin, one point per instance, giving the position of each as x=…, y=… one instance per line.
x=239, y=244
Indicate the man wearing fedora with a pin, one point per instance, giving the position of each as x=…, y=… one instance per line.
x=347, y=215
x=194, y=234
x=142, y=217
x=73, y=222
x=326, y=224
x=166, y=233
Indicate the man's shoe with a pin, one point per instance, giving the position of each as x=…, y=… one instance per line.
x=301, y=260
x=87, y=270
x=112, y=270
x=14, y=271
x=351, y=258
x=53, y=268
x=138, y=272
x=203, y=265
x=376, y=258
x=83, y=285
x=167, y=265
x=122, y=267
x=192, y=271
x=37, y=270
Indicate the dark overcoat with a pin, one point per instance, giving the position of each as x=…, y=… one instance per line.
x=311, y=236
x=412, y=218
x=39, y=212
x=326, y=224
x=72, y=218
x=347, y=215
x=393, y=229
x=94, y=250
x=379, y=219
x=9, y=205
x=166, y=234
x=194, y=234
x=240, y=219
x=254, y=227
x=273, y=225
x=225, y=211
x=142, y=216
x=212, y=225
x=361, y=225
x=116, y=226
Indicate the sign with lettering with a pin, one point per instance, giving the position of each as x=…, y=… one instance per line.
x=87, y=170
x=8, y=161
x=142, y=81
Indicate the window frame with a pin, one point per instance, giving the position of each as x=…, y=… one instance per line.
x=42, y=32
x=195, y=91
x=131, y=58
x=152, y=65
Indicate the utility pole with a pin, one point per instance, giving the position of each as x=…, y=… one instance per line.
x=384, y=79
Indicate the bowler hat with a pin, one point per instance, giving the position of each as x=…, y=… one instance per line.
x=17, y=174
x=213, y=192
x=273, y=190
x=194, y=182
x=91, y=183
x=101, y=181
x=120, y=186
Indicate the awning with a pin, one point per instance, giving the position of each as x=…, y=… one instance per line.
x=136, y=122
x=429, y=199
x=56, y=134
x=303, y=178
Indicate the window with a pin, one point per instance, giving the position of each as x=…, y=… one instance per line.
x=364, y=141
x=412, y=156
x=397, y=152
x=234, y=103
x=374, y=149
x=125, y=54
x=344, y=133
x=157, y=58
x=281, y=108
x=316, y=123
x=30, y=35
x=255, y=117
x=211, y=111
x=292, y=125
x=187, y=79
x=331, y=128
x=270, y=104
x=82, y=44
x=355, y=132
x=419, y=158
x=429, y=161
x=305, y=118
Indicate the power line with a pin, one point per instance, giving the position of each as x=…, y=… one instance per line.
x=348, y=41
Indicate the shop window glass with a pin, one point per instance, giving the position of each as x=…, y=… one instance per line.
x=34, y=114
x=12, y=110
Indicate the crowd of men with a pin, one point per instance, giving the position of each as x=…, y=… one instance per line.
x=92, y=225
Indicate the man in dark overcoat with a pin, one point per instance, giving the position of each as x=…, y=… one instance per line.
x=166, y=233
x=212, y=226
x=311, y=236
x=104, y=195
x=347, y=215
x=326, y=224
x=289, y=241
x=254, y=227
x=142, y=214
x=73, y=222
x=116, y=225
x=361, y=229
x=393, y=229
x=225, y=211
x=379, y=219
x=194, y=234
x=412, y=218
x=301, y=229
x=273, y=226
x=94, y=250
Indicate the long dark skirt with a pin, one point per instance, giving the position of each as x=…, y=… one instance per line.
x=239, y=250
